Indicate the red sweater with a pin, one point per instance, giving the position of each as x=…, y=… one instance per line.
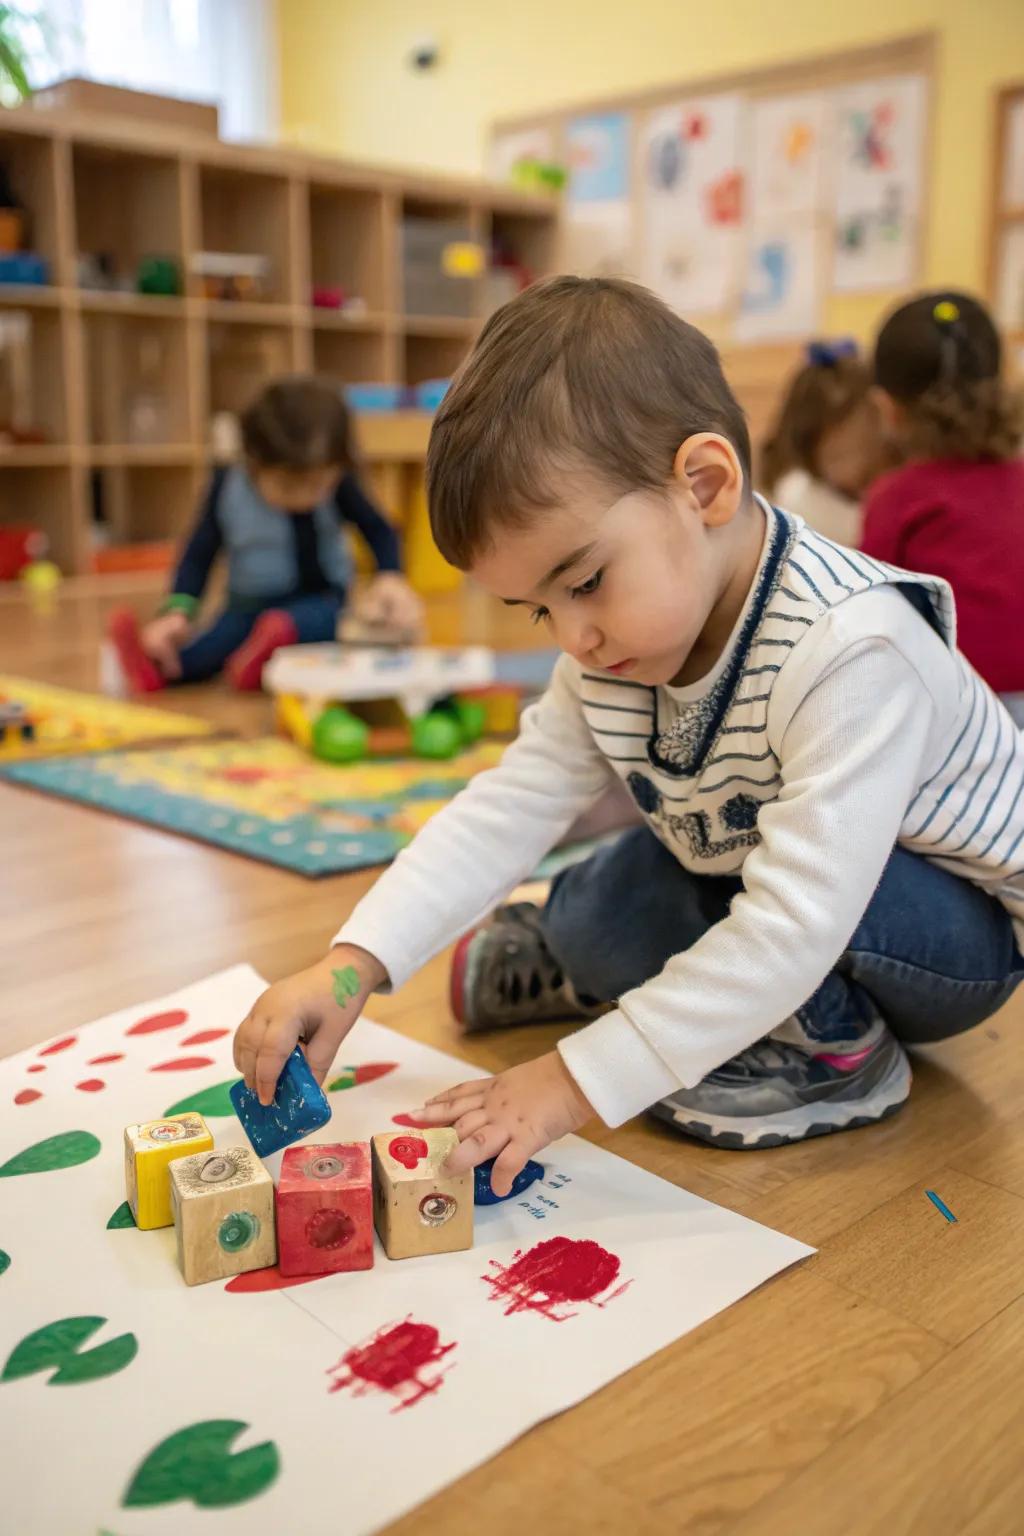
x=963, y=521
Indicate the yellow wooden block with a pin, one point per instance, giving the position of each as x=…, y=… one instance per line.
x=148, y=1148
x=417, y=1209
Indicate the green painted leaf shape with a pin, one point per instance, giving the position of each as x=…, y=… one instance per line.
x=5, y=1261
x=64, y=1151
x=58, y=1347
x=122, y=1217
x=197, y=1463
x=208, y=1101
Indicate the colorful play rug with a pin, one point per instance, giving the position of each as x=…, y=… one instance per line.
x=266, y=798
x=37, y=721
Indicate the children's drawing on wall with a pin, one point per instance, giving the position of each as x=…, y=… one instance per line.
x=598, y=237
x=782, y=284
x=693, y=202
x=526, y=156
x=788, y=137
x=879, y=147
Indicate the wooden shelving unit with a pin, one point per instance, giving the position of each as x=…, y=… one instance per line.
x=123, y=385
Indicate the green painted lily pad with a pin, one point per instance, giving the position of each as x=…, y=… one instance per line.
x=208, y=1101
x=64, y=1151
x=122, y=1217
x=58, y=1348
x=197, y=1463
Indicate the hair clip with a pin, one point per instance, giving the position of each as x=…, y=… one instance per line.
x=826, y=354
x=946, y=312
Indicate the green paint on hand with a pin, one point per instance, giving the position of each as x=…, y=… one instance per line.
x=122, y=1217
x=64, y=1151
x=346, y=985
x=196, y=1463
x=5, y=1261
x=58, y=1348
x=208, y=1101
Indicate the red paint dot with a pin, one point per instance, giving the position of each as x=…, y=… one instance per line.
x=371, y=1070
x=183, y=1064
x=169, y=1020
x=91, y=1085
x=270, y=1279
x=27, y=1096
x=58, y=1045
x=205, y=1036
x=392, y=1361
x=101, y=1061
x=407, y=1150
x=37, y=1067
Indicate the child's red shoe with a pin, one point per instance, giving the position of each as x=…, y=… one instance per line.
x=141, y=672
x=271, y=631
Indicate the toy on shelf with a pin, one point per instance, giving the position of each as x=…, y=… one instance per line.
x=417, y=1208
x=149, y=1149
x=16, y=723
x=231, y=275
x=324, y=1206
x=223, y=1205
x=321, y=690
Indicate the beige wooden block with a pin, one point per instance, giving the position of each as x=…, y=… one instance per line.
x=223, y=1206
x=416, y=1208
x=148, y=1151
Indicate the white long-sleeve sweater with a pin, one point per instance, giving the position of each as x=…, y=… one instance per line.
x=799, y=772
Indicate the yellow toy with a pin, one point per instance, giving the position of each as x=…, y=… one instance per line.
x=148, y=1149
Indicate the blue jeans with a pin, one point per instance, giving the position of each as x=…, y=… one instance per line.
x=315, y=616
x=933, y=954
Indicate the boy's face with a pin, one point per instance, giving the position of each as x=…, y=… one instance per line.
x=294, y=490
x=625, y=586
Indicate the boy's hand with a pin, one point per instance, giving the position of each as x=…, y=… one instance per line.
x=316, y=1007
x=509, y=1117
x=390, y=602
x=163, y=638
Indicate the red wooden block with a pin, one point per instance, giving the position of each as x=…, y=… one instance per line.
x=325, y=1209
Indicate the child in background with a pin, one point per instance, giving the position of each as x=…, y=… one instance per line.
x=279, y=519
x=826, y=446
x=956, y=509
x=832, y=862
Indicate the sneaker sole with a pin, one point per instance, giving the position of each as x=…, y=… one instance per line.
x=802, y=1121
x=457, y=979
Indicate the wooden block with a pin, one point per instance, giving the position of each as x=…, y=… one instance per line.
x=324, y=1205
x=148, y=1149
x=417, y=1209
x=223, y=1206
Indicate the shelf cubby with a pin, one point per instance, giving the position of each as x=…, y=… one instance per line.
x=30, y=163
x=432, y=356
x=247, y=213
x=347, y=244
x=353, y=357
x=143, y=220
x=241, y=359
x=137, y=381
x=33, y=386
x=143, y=503
x=40, y=496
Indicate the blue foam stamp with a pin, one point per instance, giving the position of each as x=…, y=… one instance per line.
x=299, y=1106
x=483, y=1194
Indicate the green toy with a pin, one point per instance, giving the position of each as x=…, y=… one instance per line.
x=339, y=737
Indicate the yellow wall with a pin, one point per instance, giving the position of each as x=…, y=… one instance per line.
x=346, y=85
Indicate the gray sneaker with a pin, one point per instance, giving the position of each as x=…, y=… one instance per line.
x=776, y=1092
x=503, y=974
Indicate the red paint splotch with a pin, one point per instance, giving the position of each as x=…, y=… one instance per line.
x=91, y=1085
x=169, y=1020
x=36, y=1067
x=413, y=1123
x=371, y=1070
x=392, y=1361
x=205, y=1036
x=555, y=1272
x=101, y=1061
x=407, y=1150
x=183, y=1064
x=58, y=1045
x=27, y=1096
x=270, y=1279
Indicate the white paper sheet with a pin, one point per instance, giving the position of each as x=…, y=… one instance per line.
x=348, y=1462
x=788, y=136
x=693, y=196
x=878, y=182
x=782, y=288
x=598, y=215
x=512, y=149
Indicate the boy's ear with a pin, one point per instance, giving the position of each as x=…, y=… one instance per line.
x=708, y=465
x=891, y=414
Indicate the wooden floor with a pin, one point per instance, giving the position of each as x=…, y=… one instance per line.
x=877, y=1388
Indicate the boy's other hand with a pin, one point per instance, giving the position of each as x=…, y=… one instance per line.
x=510, y=1117
x=163, y=638
x=315, y=1008
x=389, y=602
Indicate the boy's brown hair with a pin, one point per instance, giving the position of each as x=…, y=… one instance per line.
x=299, y=422
x=940, y=356
x=825, y=391
x=574, y=373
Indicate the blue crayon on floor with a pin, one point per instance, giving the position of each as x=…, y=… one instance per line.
x=940, y=1204
x=298, y=1107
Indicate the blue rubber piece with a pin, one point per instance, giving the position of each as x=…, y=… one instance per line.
x=483, y=1194
x=299, y=1107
